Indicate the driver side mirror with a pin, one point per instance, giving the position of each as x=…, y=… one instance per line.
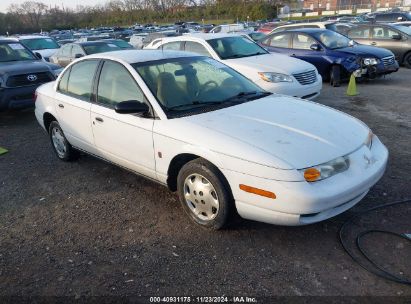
x=315, y=47
x=77, y=56
x=38, y=55
x=131, y=107
x=396, y=37
x=399, y=19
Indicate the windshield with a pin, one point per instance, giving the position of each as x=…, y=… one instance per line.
x=404, y=29
x=122, y=44
x=14, y=52
x=235, y=47
x=332, y=40
x=40, y=43
x=188, y=84
x=100, y=48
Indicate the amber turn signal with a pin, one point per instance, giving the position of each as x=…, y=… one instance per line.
x=257, y=191
x=312, y=174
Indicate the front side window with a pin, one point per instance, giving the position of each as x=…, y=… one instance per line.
x=76, y=50
x=195, y=47
x=40, y=43
x=80, y=83
x=380, y=32
x=235, y=47
x=116, y=85
x=14, y=51
x=65, y=51
x=192, y=83
x=302, y=42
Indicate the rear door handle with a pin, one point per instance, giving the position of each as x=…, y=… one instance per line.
x=99, y=119
x=61, y=106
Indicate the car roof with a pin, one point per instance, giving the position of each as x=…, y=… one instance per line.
x=6, y=39
x=306, y=30
x=137, y=56
x=308, y=23
x=92, y=42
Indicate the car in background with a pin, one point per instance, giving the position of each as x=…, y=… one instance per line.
x=227, y=28
x=391, y=17
x=120, y=43
x=403, y=23
x=275, y=73
x=65, y=41
x=394, y=37
x=329, y=25
x=256, y=36
x=43, y=45
x=267, y=28
x=335, y=56
x=72, y=51
x=138, y=40
x=21, y=72
x=213, y=136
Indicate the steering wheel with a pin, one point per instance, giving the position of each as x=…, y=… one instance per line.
x=205, y=85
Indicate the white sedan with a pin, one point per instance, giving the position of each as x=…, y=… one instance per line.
x=207, y=132
x=276, y=73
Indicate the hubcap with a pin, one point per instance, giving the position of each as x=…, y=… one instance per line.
x=201, y=197
x=59, y=142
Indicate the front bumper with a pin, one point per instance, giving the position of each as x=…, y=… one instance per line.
x=302, y=203
x=15, y=98
x=294, y=88
x=380, y=69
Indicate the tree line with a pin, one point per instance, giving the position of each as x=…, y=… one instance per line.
x=34, y=16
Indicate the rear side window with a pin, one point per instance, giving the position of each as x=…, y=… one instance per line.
x=280, y=41
x=197, y=48
x=80, y=83
x=62, y=87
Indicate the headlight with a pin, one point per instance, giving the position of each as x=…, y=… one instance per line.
x=370, y=61
x=275, y=77
x=368, y=140
x=57, y=71
x=326, y=170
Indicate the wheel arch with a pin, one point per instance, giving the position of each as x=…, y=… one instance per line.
x=47, y=119
x=405, y=56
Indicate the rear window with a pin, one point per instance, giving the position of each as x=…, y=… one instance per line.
x=40, y=43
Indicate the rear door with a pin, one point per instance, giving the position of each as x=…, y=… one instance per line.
x=125, y=139
x=360, y=34
x=73, y=104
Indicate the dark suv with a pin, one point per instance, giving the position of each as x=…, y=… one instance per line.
x=391, y=17
x=21, y=72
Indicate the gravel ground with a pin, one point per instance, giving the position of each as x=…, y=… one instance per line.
x=90, y=228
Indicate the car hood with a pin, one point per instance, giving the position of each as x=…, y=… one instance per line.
x=25, y=67
x=271, y=63
x=365, y=50
x=296, y=132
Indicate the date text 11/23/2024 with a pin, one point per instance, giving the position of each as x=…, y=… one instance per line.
x=222, y=299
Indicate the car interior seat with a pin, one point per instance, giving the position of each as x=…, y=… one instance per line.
x=169, y=92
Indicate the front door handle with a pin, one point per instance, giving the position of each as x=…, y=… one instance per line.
x=61, y=106
x=99, y=119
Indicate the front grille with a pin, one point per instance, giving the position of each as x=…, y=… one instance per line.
x=23, y=80
x=388, y=60
x=306, y=77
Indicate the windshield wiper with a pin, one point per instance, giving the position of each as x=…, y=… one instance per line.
x=194, y=103
x=248, y=95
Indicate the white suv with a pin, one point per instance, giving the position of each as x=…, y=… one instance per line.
x=273, y=72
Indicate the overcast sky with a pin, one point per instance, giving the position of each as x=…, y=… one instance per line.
x=4, y=4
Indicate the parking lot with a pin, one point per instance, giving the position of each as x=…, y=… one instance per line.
x=90, y=228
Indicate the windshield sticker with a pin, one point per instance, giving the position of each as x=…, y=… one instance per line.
x=16, y=46
x=112, y=45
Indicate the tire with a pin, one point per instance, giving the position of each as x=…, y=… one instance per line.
x=204, y=194
x=61, y=146
x=335, y=76
x=407, y=61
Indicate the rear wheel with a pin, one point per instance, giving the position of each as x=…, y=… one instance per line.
x=407, y=61
x=335, y=76
x=61, y=146
x=204, y=194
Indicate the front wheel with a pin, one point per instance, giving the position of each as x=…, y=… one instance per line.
x=61, y=146
x=204, y=194
x=407, y=61
x=335, y=76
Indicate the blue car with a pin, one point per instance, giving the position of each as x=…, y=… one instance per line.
x=335, y=56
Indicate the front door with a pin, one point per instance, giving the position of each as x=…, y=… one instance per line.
x=125, y=139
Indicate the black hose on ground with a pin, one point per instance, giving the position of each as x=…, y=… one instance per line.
x=377, y=270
